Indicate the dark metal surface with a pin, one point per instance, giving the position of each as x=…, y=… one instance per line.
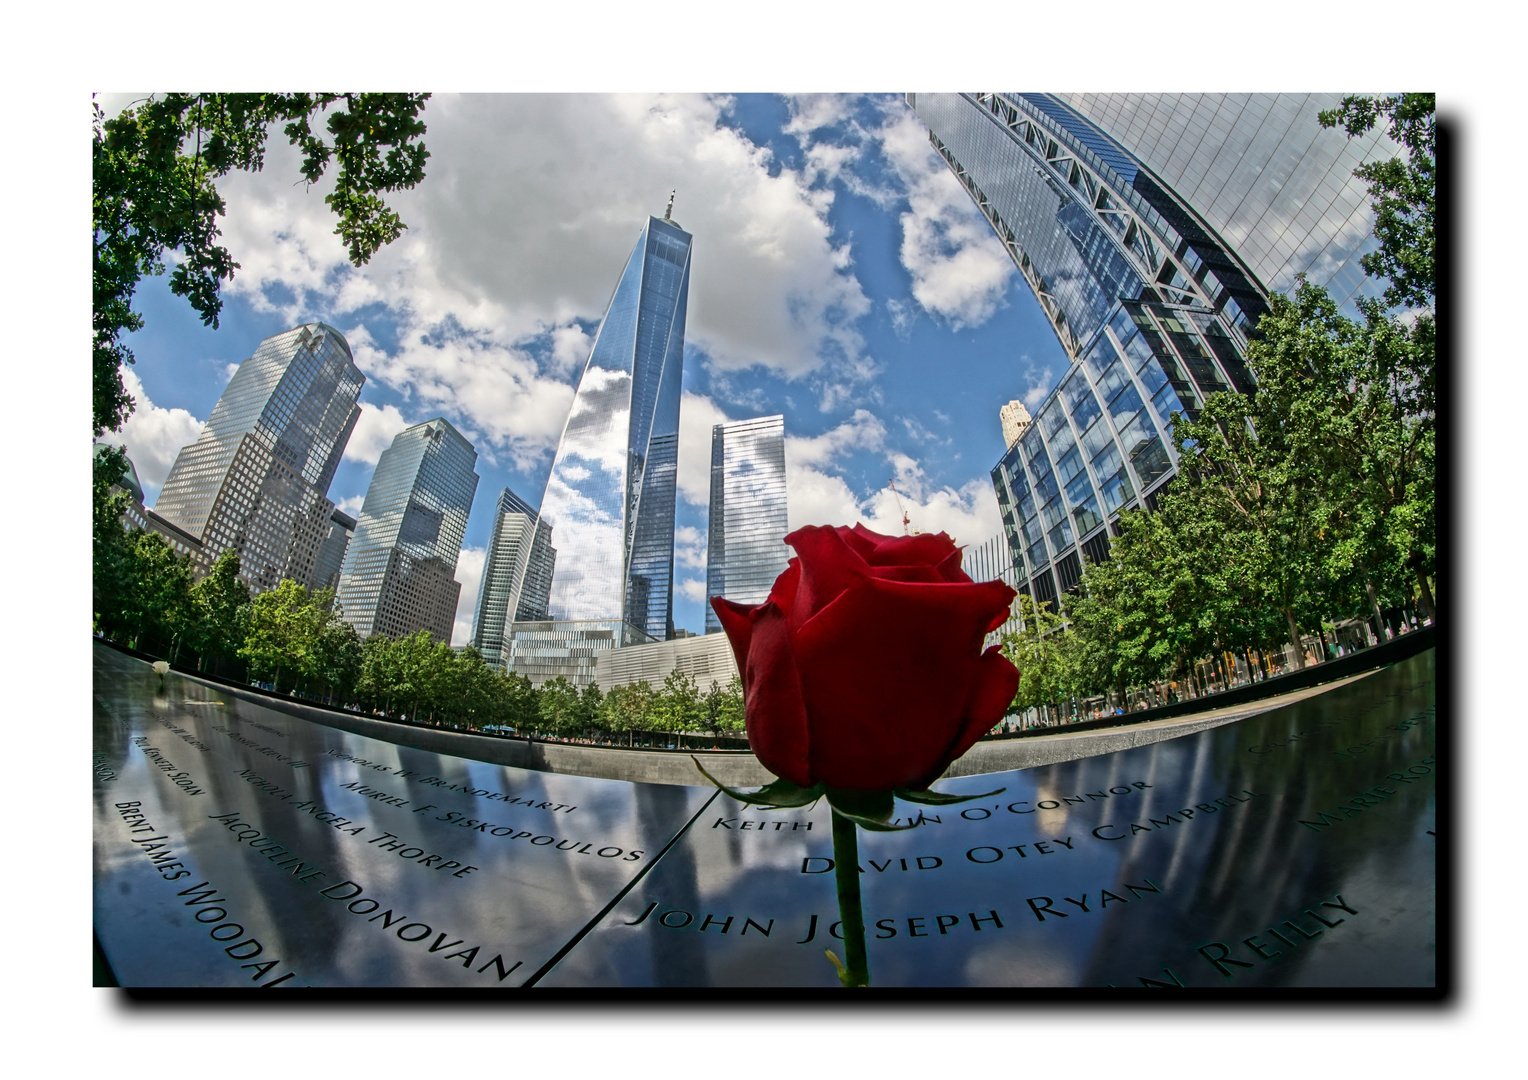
x=1291, y=849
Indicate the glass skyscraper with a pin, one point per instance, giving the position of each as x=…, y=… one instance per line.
x=257, y=477
x=517, y=575
x=398, y=576
x=1151, y=294
x=610, y=497
x=745, y=543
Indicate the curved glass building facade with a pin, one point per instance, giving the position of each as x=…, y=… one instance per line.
x=1147, y=295
x=610, y=496
x=398, y=576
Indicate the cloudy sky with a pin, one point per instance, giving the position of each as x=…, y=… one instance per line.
x=840, y=276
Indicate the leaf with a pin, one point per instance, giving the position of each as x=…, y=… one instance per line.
x=871, y=810
x=779, y=794
x=940, y=798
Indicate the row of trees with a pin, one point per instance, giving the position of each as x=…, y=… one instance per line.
x=1304, y=504
x=293, y=639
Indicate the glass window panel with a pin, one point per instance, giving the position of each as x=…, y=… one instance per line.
x=1087, y=516
x=1137, y=433
x=1151, y=463
x=1070, y=465
x=1123, y=326
x=1123, y=406
x=1052, y=417
x=1061, y=442
x=1061, y=535
x=1079, y=491
x=1137, y=350
x=1107, y=462
x=1099, y=357
x=1166, y=402
x=1051, y=513
x=1086, y=410
x=1116, y=491
x=1026, y=505
x=1110, y=381
x=1095, y=439
x=1153, y=378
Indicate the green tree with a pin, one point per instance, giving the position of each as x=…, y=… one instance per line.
x=112, y=566
x=559, y=706
x=280, y=633
x=1036, y=650
x=220, y=602
x=676, y=707
x=723, y=707
x=158, y=605
x=153, y=171
x=1403, y=191
x=625, y=708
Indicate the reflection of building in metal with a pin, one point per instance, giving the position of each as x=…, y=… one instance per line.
x=517, y=575
x=745, y=544
x=257, y=477
x=397, y=577
x=331, y=553
x=1150, y=230
x=541, y=650
x=708, y=658
x=610, y=495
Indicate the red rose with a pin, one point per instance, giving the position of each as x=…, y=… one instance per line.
x=864, y=667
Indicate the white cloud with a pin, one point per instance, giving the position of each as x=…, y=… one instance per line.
x=374, y=431
x=689, y=547
x=469, y=572
x=960, y=272
x=1037, y=384
x=351, y=506
x=693, y=589
x=697, y=415
x=819, y=497
x=152, y=436
x=530, y=211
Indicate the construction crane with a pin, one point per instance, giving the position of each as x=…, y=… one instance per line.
x=892, y=484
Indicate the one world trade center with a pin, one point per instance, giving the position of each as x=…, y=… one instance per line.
x=610, y=497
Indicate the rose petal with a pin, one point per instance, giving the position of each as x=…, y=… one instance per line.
x=828, y=567
x=858, y=539
x=950, y=568
x=737, y=625
x=783, y=591
x=774, y=710
x=925, y=549
x=887, y=670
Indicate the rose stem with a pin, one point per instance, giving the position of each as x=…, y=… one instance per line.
x=846, y=873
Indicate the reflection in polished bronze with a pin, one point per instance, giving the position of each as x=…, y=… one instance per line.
x=237, y=845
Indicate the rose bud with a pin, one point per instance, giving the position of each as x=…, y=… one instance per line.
x=864, y=668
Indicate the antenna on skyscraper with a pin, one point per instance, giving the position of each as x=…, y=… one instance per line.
x=670, y=209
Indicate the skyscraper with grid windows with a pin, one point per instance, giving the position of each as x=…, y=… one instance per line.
x=745, y=541
x=257, y=477
x=398, y=576
x=517, y=575
x=1151, y=229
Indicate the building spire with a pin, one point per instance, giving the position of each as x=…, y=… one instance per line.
x=670, y=209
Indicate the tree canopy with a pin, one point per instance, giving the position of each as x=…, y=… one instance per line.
x=153, y=170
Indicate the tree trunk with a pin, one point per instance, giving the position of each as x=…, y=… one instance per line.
x=1381, y=630
x=1294, y=639
x=1426, y=594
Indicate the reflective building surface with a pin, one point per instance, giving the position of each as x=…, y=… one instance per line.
x=398, y=573
x=610, y=496
x=1148, y=295
x=745, y=541
x=238, y=844
x=257, y=477
x=517, y=575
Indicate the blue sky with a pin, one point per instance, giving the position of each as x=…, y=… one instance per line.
x=840, y=276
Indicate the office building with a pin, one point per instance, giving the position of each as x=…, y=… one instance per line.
x=609, y=499
x=543, y=649
x=257, y=477
x=707, y=658
x=331, y=553
x=745, y=541
x=1015, y=419
x=398, y=576
x=517, y=575
x=1150, y=292
x=137, y=516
